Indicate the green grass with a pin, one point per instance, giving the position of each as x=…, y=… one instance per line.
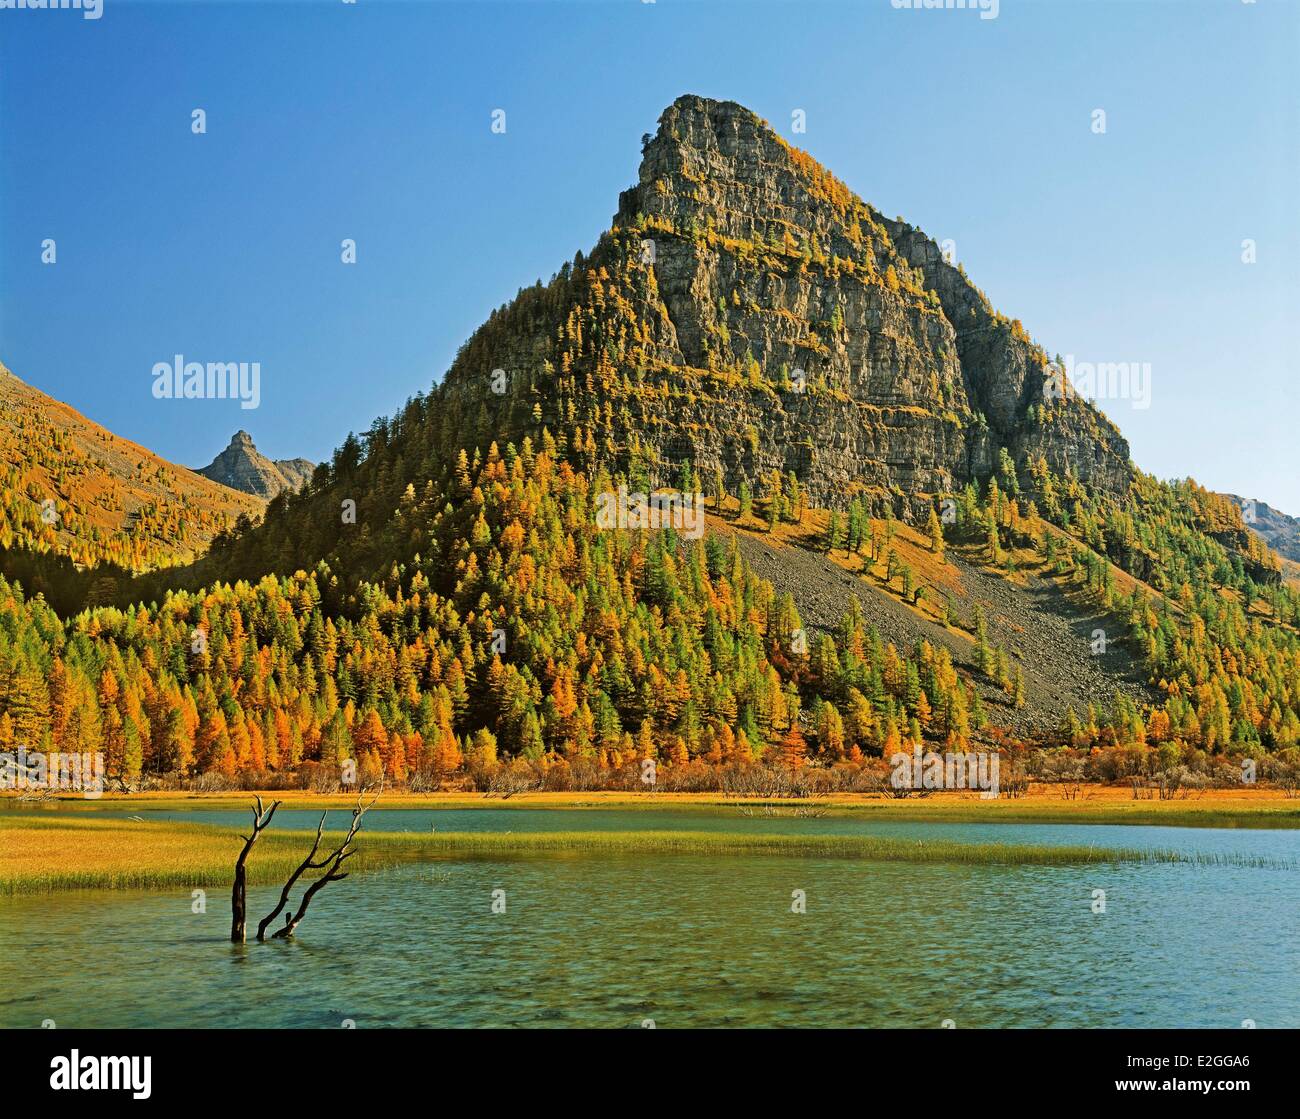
x=45, y=853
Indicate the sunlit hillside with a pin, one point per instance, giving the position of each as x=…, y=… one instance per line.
x=71, y=488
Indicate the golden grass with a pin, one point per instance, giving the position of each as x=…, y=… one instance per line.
x=40, y=853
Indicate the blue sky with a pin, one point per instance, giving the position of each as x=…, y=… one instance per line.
x=372, y=121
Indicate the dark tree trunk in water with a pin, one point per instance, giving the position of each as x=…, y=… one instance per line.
x=238, y=892
x=238, y=915
x=329, y=863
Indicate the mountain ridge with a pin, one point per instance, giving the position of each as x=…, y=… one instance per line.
x=640, y=361
x=75, y=489
x=1280, y=531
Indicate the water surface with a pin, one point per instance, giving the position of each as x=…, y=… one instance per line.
x=616, y=941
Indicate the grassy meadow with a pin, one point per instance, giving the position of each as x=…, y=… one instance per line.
x=47, y=851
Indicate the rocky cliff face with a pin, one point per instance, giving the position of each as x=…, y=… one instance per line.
x=1278, y=530
x=747, y=311
x=242, y=467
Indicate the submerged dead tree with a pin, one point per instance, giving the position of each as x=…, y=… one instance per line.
x=331, y=863
x=238, y=893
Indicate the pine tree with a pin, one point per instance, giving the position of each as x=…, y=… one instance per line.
x=834, y=534
x=935, y=531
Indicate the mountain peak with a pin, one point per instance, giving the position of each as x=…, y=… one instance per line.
x=241, y=466
x=708, y=110
x=743, y=261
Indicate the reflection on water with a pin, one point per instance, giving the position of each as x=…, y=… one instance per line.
x=612, y=941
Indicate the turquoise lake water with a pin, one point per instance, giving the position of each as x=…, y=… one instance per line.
x=625, y=940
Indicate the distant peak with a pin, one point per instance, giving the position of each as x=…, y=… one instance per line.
x=241, y=466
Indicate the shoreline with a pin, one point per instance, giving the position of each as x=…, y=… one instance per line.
x=1255, y=808
x=45, y=854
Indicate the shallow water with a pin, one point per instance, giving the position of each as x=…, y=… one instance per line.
x=618, y=940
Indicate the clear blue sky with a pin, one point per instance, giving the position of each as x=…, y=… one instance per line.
x=372, y=121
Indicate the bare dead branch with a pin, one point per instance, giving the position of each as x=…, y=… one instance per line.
x=305, y=865
x=239, y=891
x=331, y=864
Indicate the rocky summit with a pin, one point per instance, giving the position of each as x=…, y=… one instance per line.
x=746, y=313
x=241, y=466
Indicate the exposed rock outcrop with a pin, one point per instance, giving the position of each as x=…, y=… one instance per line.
x=1278, y=530
x=748, y=312
x=242, y=467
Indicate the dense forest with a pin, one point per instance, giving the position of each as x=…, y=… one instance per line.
x=521, y=630
x=515, y=635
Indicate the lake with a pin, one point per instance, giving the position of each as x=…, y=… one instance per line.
x=620, y=941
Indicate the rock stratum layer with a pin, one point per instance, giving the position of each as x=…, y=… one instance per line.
x=747, y=312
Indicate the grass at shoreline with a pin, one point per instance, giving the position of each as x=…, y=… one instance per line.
x=46, y=853
x=1259, y=808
